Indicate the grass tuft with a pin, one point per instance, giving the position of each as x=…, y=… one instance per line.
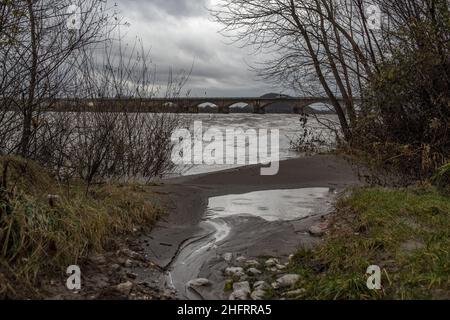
x=404, y=231
x=42, y=234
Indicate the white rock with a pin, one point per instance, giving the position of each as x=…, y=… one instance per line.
x=241, y=259
x=272, y=262
x=258, y=294
x=239, y=295
x=252, y=263
x=261, y=285
x=125, y=288
x=200, y=282
x=253, y=272
x=280, y=266
x=245, y=285
x=227, y=257
x=234, y=272
x=293, y=293
x=285, y=281
x=241, y=291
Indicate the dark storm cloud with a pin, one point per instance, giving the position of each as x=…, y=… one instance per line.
x=181, y=34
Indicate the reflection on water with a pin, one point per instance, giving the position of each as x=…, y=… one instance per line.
x=272, y=205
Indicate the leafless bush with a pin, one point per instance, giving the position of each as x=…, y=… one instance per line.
x=311, y=140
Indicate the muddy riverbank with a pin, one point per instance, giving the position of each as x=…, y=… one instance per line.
x=193, y=239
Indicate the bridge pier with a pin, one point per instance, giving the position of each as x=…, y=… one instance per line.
x=257, y=108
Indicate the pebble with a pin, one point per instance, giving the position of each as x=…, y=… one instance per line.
x=261, y=285
x=227, y=257
x=234, y=272
x=200, y=282
x=293, y=293
x=241, y=291
x=125, y=288
x=272, y=262
x=253, y=272
x=258, y=294
x=252, y=263
x=285, y=281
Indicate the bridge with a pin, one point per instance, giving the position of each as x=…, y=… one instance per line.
x=192, y=104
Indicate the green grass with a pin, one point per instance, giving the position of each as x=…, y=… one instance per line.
x=38, y=238
x=404, y=231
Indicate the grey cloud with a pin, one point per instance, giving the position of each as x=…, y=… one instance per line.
x=180, y=33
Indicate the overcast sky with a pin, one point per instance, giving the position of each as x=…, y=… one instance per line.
x=181, y=33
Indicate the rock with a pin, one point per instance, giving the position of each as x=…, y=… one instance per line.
x=318, y=230
x=258, y=294
x=253, y=272
x=252, y=263
x=294, y=293
x=286, y=281
x=280, y=266
x=227, y=257
x=200, y=282
x=132, y=275
x=97, y=259
x=235, y=272
x=272, y=262
x=261, y=285
x=291, y=257
x=245, y=285
x=239, y=295
x=241, y=291
x=241, y=259
x=273, y=269
x=125, y=288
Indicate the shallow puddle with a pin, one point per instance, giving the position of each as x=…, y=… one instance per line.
x=270, y=205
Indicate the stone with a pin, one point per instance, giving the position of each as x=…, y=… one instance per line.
x=261, y=285
x=241, y=259
x=252, y=263
x=200, y=282
x=272, y=262
x=280, y=266
x=227, y=257
x=286, y=281
x=258, y=294
x=294, y=293
x=132, y=275
x=125, y=288
x=235, y=272
x=245, y=285
x=241, y=291
x=318, y=230
x=253, y=272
